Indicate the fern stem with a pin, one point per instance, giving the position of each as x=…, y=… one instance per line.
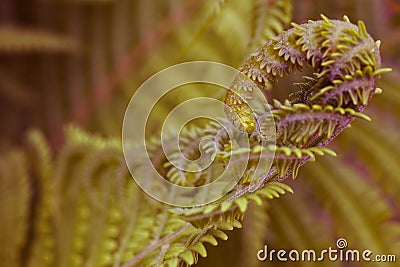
x=165, y=240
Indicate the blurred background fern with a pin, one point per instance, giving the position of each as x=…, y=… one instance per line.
x=67, y=199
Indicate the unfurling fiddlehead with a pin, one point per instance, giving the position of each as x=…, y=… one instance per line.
x=346, y=65
x=136, y=232
x=346, y=68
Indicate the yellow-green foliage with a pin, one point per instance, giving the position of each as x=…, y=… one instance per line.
x=75, y=204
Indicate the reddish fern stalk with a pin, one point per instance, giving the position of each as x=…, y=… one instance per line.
x=346, y=65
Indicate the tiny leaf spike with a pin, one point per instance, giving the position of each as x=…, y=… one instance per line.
x=346, y=66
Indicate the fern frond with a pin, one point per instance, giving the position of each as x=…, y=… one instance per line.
x=214, y=10
x=364, y=216
x=254, y=233
x=344, y=86
x=269, y=18
x=228, y=213
x=381, y=156
x=41, y=249
x=291, y=219
x=92, y=213
x=14, y=209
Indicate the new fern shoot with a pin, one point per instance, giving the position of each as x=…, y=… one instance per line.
x=89, y=212
x=346, y=67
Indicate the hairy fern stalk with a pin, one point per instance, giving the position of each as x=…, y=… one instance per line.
x=83, y=219
x=346, y=67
